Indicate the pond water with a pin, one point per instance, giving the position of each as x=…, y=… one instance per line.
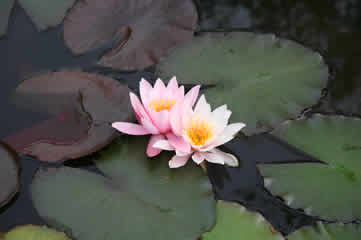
x=332, y=28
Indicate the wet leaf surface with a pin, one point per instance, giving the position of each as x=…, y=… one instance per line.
x=334, y=140
x=83, y=104
x=263, y=79
x=9, y=174
x=146, y=29
x=45, y=13
x=327, y=232
x=5, y=10
x=234, y=222
x=33, y=232
x=136, y=198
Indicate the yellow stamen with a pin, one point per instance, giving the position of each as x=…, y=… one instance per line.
x=160, y=104
x=199, y=131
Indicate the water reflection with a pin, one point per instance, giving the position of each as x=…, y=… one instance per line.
x=329, y=27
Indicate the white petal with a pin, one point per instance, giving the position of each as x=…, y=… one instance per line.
x=163, y=144
x=203, y=108
x=178, y=161
x=213, y=157
x=220, y=117
x=226, y=136
x=198, y=157
x=228, y=158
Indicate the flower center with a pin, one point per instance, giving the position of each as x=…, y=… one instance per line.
x=160, y=104
x=199, y=131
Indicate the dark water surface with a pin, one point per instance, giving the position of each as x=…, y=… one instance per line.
x=332, y=28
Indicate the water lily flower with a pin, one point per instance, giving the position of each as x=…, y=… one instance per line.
x=153, y=111
x=197, y=133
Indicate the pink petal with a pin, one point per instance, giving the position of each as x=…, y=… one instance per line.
x=160, y=120
x=175, y=119
x=164, y=145
x=130, y=128
x=179, y=143
x=159, y=89
x=173, y=85
x=152, y=151
x=198, y=157
x=178, y=161
x=191, y=97
x=145, y=88
x=148, y=125
x=137, y=107
x=220, y=117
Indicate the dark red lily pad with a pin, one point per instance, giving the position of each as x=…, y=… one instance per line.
x=9, y=174
x=83, y=104
x=146, y=29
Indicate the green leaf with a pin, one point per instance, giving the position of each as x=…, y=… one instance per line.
x=326, y=190
x=138, y=198
x=327, y=232
x=9, y=174
x=32, y=232
x=234, y=222
x=46, y=13
x=264, y=80
x=5, y=9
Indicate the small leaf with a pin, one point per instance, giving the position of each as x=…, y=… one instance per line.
x=146, y=29
x=137, y=198
x=331, y=190
x=234, y=222
x=32, y=232
x=84, y=106
x=9, y=175
x=264, y=80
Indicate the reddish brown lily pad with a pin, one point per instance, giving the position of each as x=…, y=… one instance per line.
x=9, y=174
x=146, y=29
x=83, y=104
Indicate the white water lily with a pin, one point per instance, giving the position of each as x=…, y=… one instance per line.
x=196, y=133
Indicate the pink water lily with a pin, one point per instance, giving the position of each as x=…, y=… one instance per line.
x=197, y=133
x=153, y=111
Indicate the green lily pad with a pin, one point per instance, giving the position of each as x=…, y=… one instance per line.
x=234, y=222
x=45, y=13
x=5, y=9
x=331, y=190
x=327, y=232
x=138, y=198
x=32, y=232
x=9, y=175
x=264, y=80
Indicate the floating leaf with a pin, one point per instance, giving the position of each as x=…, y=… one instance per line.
x=327, y=232
x=5, y=9
x=45, y=13
x=264, y=80
x=330, y=190
x=32, y=232
x=84, y=105
x=9, y=175
x=234, y=222
x=138, y=198
x=146, y=29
